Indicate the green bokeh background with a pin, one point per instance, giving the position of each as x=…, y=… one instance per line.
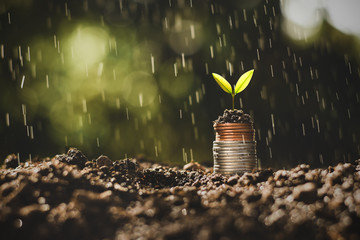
x=130, y=78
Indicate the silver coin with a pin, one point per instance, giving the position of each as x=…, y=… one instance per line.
x=224, y=163
x=235, y=159
x=234, y=156
x=234, y=150
x=245, y=161
x=227, y=155
x=217, y=163
x=234, y=164
x=235, y=168
x=234, y=153
x=243, y=153
x=230, y=173
x=233, y=171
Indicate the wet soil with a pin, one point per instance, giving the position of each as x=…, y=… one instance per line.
x=233, y=116
x=71, y=197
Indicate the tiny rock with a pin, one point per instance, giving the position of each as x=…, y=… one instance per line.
x=11, y=161
x=104, y=161
x=76, y=157
x=233, y=180
x=306, y=193
x=193, y=166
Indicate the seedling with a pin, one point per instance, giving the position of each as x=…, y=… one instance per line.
x=241, y=84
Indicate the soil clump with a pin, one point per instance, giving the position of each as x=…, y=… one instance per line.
x=233, y=116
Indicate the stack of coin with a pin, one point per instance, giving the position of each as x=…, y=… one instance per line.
x=234, y=148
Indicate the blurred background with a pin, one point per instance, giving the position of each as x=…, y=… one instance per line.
x=133, y=77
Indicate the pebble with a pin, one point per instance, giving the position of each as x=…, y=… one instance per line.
x=193, y=166
x=104, y=161
x=233, y=180
x=306, y=193
x=11, y=161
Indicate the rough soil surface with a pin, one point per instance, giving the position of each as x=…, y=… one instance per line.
x=70, y=197
x=233, y=116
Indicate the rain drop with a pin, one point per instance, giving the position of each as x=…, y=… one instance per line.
x=193, y=118
x=7, y=119
x=273, y=123
x=272, y=70
x=31, y=132
x=244, y=12
x=303, y=129
x=175, y=70
x=184, y=155
x=183, y=60
x=47, y=81
x=152, y=64
x=84, y=105
x=2, y=51
x=22, y=81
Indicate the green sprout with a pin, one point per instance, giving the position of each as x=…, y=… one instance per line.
x=241, y=84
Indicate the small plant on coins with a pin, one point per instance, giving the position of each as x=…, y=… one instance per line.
x=241, y=84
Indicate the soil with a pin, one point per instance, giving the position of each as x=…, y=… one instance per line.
x=234, y=116
x=71, y=197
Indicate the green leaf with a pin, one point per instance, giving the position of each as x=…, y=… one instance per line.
x=243, y=81
x=225, y=85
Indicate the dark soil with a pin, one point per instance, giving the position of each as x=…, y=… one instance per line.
x=70, y=197
x=233, y=116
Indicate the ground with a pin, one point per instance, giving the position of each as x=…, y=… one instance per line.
x=70, y=197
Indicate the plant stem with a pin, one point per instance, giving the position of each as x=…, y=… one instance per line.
x=233, y=96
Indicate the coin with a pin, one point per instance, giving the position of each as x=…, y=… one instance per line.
x=234, y=143
x=248, y=162
x=234, y=148
x=228, y=156
x=234, y=167
x=231, y=149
